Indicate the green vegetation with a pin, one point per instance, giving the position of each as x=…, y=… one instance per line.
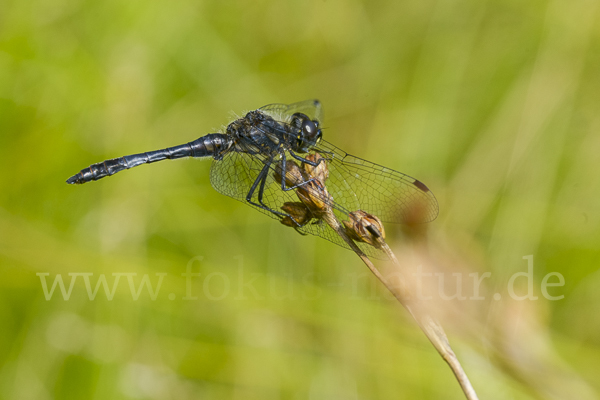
x=494, y=105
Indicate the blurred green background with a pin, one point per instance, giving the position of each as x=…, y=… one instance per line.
x=494, y=104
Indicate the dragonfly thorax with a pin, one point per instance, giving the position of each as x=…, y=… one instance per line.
x=258, y=131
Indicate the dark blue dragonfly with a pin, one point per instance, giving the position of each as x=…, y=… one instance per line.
x=249, y=156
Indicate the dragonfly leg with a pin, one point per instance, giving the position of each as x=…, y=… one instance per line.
x=261, y=180
x=313, y=163
x=304, y=160
x=283, y=185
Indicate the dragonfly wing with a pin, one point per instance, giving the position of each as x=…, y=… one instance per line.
x=284, y=112
x=357, y=184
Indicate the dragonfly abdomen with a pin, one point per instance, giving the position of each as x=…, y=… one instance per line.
x=209, y=145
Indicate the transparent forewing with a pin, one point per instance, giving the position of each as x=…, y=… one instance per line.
x=284, y=112
x=357, y=184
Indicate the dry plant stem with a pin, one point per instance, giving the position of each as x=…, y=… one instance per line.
x=315, y=201
x=433, y=330
x=435, y=333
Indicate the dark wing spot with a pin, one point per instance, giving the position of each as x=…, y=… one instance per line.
x=421, y=186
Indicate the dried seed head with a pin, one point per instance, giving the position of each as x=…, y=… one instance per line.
x=313, y=193
x=314, y=196
x=294, y=175
x=299, y=215
x=309, y=184
x=364, y=227
x=320, y=171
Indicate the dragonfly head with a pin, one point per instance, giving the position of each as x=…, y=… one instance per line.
x=308, y=135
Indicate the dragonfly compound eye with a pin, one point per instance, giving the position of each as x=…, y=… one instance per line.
x=309, y=130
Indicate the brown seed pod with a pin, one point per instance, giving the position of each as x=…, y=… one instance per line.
x=320, y=171
x=299, y=214
x=364, y=227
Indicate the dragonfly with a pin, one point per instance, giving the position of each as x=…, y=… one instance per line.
x=250, y=154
